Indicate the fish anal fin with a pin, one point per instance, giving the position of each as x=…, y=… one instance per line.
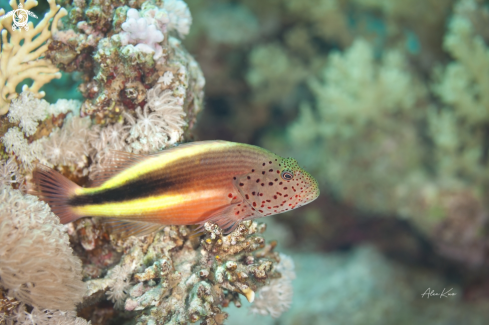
x=127, y=228
x=113, y=163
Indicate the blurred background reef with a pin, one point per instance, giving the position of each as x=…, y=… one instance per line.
x=385, y=102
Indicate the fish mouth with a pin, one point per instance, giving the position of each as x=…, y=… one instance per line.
x=313, y=195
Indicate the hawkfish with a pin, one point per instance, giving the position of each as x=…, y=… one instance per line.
x=210, y=181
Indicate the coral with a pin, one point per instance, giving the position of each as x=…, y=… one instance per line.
x=120, y=285
x=178, y=15
x=230, y=24
x=359, y=104
x=122, y=52
x=8, y=307
x=458, y=127
x=164, y=275
x=395, y=145
x=16, y=144
x=65, y=106
x=276, y=297
x=456, y=209
x=9, y=173
x=158, y=124
x=48, y=317
x=27, y=111
x=68, y=145
x=21, y=56
x=274, y=72
x=112, y=137
x=326, y=291
x=37, y=266
x=143, y=31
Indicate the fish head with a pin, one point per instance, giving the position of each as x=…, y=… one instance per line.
x=301, y=186
x=277, y=186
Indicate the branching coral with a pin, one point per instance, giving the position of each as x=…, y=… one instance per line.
x=392, y=144
x=360, y=104
x=174, y=283
x=458, y=128
x=459, y=132
x=21, y=55
x=274, y=73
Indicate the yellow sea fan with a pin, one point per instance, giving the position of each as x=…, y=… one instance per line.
x=21, y=54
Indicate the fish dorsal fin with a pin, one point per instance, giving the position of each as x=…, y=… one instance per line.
x=115, y=162
x=127, y=228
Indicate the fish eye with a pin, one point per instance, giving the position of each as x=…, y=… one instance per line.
x=287, y=175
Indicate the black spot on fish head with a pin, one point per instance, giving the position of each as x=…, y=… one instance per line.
x=276, y=185
x=288, y=186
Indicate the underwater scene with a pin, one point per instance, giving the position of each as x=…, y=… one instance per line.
x=277, y=162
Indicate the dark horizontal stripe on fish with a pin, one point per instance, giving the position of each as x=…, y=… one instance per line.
x=188, y=172
x=151, y=185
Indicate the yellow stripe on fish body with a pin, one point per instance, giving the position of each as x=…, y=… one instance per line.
x=157, y=162
x=218, y=181
x=131, y=208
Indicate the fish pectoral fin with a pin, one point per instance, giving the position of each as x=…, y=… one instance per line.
x=225, y=217
x=127, y=228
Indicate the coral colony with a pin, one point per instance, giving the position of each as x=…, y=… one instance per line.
x=381, y=109
x=393, y=119
x=142, y=91
x=22, y=54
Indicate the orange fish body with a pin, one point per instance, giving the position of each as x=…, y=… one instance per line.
x=218, y=181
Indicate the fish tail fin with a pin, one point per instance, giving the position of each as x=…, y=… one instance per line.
x=56, y=190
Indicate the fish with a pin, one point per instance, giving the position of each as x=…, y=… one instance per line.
x=208, y=181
